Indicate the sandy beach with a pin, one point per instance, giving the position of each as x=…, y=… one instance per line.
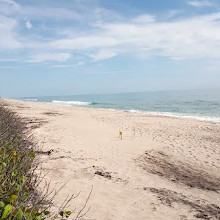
x=163, y=168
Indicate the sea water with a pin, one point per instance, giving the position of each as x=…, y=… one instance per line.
x=202, y=105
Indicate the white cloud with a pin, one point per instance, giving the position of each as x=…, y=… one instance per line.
x=196, y=37
x=10, y=7
x=9, y=60
x=8, y=39
x=84, y=43
x=28, y=24
x=201, y=3
x=143, y=36
x=7, y=67
x=60, y=57
x=80, y=63
x=50, y=13
x=144, y=18
x=68, y=65
x=103, y=54
x=10, y=3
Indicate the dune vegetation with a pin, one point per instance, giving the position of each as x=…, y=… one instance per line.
x=19, y=194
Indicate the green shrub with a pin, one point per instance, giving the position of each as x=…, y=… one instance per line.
x=19, y=198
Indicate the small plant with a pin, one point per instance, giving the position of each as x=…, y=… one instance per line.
x=65, y=214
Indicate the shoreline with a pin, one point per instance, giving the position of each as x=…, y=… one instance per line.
x=163, y=168
x=134, y=111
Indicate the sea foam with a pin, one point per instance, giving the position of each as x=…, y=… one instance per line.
x=32, y=100
x=71, y=102
x=176, y=115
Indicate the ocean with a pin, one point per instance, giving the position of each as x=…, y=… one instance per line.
x=198, y=104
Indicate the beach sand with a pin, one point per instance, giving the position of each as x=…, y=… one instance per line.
x=163, y=168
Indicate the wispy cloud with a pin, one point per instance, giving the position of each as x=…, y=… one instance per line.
x=142, y=36
x=9, y=7
x=51, y=13
x=10, y=3
x=103, y=54
x=74, y=11
x=80, y=63
x=144, y=18
x=28, y=24
x=8, y=38
x=67, y=65
x=195, y=37
x=200, y=3
x=7, y=67
x=84, y=42
x=60, y=57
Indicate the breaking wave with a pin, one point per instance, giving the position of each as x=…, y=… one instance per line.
x=177, y=115
x=80, y=103
x=31, y=100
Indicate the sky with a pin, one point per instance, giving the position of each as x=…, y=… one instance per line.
x=68, y=47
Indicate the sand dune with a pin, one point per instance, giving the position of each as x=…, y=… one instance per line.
x=163, y=168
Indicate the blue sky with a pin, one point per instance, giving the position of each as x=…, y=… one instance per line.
x=53, y=47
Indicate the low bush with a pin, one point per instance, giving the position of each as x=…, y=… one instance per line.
x=19, y=198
